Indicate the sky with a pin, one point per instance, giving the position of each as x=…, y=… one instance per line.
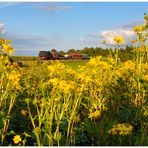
x=35, y=26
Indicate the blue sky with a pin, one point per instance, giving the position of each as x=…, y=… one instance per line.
x=35, y=26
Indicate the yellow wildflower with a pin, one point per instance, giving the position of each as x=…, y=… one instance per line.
x=56, y=68
x=104, y=65
x=3, y=41
x=95, y=114
x=54, y=81
x=7, y=61
x=35, y=101
x=146, y=77
x=14, y=77
x=94, y=61
x=111, y=61
x=129, y=65
x=121, y=129
x=17, y=139
x=139, y=28
x=145, y=112
x=134, y=41
x=62, y=84
x=119, y=73
x=66, y=86
x=7, y=48
x=94, y=71
x=84, y=78
x=119, y=40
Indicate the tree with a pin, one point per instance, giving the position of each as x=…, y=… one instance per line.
x=53, y=50
x=72, y=51
x=62, y=53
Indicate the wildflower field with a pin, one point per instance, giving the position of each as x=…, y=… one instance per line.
x=99, y=103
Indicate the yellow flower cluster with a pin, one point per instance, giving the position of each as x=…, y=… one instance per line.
x=66, y=86
x=84, y=78
x=127, y=68
x=14, y=77
x=139, y=28
x=146, y=78
x=4, y=60
x=56, y=68
x=129, y=65
x=119, y=40
x=121, y=129
x=95, y=114
x=97, y=63
x=62, y=85
x=94, y=61
x=6, y=46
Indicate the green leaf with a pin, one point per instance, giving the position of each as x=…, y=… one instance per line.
x=1, y=122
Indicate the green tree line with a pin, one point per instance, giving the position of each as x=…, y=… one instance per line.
x=124, y=53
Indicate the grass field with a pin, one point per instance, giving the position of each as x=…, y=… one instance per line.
x=24, y=58
x=74, y=64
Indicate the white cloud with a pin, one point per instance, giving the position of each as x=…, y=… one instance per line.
x=125, y=30
x=3, y=30
x=95, y=39
x=109, y=35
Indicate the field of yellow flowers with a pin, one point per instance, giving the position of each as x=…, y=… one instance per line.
x=103, y=103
